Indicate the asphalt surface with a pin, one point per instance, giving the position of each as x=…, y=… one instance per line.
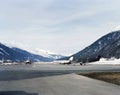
x=51, y=79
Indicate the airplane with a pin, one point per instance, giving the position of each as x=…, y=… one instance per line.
x=66, y=62
x=28, y=61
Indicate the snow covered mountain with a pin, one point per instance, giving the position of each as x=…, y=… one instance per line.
x=38, y=51
x=47, y=54
x=28, y=51
x=107, y=46
x=16, y=54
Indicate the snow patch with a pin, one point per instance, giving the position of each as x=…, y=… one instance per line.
x=46, y=53
x=112, y=61
x=1, y=53
x=4, y=51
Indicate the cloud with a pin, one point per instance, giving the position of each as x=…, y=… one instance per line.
x=116, y=28
x=63, y=26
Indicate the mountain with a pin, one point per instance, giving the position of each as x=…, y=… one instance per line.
x=47, y=54
x=38, y=51
x=33, y=57
x=16, y=54
x=107, y=46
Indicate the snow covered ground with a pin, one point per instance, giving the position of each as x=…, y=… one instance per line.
x=111, y=61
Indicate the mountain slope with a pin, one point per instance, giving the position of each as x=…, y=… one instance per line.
x=33, y=57
x=16, y=54
x=107, y=46
x=36, y=51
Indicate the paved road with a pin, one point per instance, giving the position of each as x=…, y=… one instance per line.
x=54, y=80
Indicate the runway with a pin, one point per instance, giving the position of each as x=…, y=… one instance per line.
x=51, y=79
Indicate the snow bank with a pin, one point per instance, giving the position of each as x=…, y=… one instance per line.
x=111, y=61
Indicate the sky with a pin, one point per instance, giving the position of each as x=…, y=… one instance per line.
x=60, y=26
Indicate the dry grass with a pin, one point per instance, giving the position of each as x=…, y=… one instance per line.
x=112, y=77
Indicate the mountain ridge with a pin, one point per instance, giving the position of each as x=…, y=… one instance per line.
x=18, y=55
x=107, y=46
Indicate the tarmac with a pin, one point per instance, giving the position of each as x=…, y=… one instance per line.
x=54, y=80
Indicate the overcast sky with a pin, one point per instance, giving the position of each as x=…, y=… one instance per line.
x=61, y=26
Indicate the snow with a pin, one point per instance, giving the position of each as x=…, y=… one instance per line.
x=38, y=51
x=71, y=58
x=99, y=42
x=111, y=61
x=61, y=61
x=45, y=53
x=42, y=52
x=3, y=51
